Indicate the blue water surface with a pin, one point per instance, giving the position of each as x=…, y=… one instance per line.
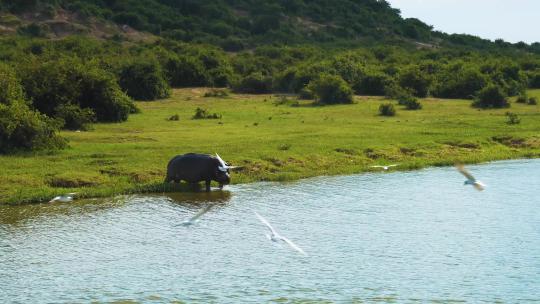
x=405, y=237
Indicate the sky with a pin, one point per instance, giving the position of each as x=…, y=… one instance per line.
x=511, y=20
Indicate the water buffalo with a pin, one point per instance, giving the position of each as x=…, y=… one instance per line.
x=194, y=168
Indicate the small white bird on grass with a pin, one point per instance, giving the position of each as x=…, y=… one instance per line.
x=195, y=218
x=66, y=198
x=470, y=179
x=275, y=237
x=385, y=167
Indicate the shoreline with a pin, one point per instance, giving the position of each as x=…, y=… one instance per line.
x=156, y=189
x=272, y=140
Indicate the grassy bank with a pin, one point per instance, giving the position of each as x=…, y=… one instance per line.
x=275, y=142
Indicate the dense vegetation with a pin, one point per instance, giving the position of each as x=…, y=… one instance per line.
x=336, y=49
x=271, y=140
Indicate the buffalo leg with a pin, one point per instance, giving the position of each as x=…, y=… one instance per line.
x=207, y=186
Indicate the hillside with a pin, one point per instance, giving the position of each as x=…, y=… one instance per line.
x=236, y=24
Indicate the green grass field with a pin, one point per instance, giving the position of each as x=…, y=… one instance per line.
x=272, y=142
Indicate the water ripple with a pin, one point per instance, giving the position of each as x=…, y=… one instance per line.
x=401, y=237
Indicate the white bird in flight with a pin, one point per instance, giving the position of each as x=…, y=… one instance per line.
x=470, y=179
x=275, y=237
x=385, y=167
x=65, y=198
x=194, y=219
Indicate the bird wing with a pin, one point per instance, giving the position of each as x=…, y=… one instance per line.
x=377, y=166
x=479, y=186
x=466, y=173
x=392, y=166
x=201, y=213
x=54, y=199
x=293, y=245
x=265, y=222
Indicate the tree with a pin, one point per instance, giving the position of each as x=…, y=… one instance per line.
x=416, y=80
x=331, y=89
x=22, y=129
x=491, y=96
x=143, y=79
x=10, y=86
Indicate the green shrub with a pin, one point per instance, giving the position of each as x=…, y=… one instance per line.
x=411, y=103
x=534, y=81
x=306, y=94
x=186, y=72
x=144, y=80
x=219, y=93
x=201, y=113
x=387, y=109
x=67, y=82
x=491, y=96
x=74, y=117
x=533, y=101
x=458, y=82
x=512, y=118
x=10, y=86
x=34, y=30
x=522, y=98
x=255, y=83
x=331, y=89
x=284, y=100
x=406, y=99
x=394, y=91
x=416, y=80
x=373, y=84
x=174, y=117
x=22, y=129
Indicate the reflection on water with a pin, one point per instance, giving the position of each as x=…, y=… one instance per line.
x=377, y=238
x=200, y=197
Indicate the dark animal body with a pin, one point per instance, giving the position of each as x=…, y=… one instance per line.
x=194, y=168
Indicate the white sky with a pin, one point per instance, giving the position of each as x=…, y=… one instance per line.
x=511, y=20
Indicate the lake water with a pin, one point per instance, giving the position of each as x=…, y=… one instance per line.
x=403, y=237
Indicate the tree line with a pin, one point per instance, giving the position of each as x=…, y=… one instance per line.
x=48, y=85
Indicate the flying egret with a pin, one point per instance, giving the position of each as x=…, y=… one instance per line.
x=65, y=198
x=385, y=167
x=275, y=237
x=194, y=219
x=470, y=179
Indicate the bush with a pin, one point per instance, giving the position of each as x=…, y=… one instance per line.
x=306, y=94
x=34, y=30
x=373, y=84
x=255, y=83
x=219, y=93
x=533, y=101
x=387, y=109
x=457, y=82
x=411, y=103
x=10, y=86
x=512, y=118
x=522, y=98
x=201, y=113
x=405, y=99
x=144, y=80
x=416, y=80
x=491, y=96
x=74, y=117
x=186, y=72
x=395, y=91
x=331, y=89
x=174, y=117
x=70, y=82
x=22, y=129
x=534, y=81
